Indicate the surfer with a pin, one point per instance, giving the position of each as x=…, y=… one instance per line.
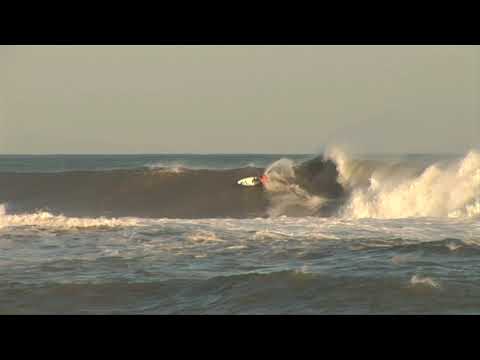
x=263, y=179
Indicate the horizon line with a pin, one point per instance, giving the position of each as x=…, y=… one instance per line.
x=226, y=153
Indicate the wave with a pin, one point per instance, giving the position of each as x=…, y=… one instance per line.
x=333, y=184
x=173, y=192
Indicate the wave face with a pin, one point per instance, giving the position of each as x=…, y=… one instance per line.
x=140, y=193
x=330, y=185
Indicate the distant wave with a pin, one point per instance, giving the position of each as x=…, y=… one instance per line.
x=175, y=168
x=180, y=167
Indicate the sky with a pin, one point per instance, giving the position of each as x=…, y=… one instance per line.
x=238, y=99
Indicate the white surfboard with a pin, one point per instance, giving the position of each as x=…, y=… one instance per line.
x=249, y=181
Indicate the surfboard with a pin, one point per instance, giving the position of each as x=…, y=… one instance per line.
x=249, y=181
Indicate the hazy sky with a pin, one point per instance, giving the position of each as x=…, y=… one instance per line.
x=210, y=99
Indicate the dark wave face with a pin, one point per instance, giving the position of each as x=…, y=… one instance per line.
x=139, y=193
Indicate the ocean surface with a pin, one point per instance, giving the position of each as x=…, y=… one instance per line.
x=333, y=233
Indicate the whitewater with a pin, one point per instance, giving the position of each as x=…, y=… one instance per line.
x=174, y=234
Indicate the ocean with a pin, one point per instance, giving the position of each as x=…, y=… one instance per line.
x=333, y=233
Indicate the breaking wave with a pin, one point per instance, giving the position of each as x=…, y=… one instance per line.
x=439, y=190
